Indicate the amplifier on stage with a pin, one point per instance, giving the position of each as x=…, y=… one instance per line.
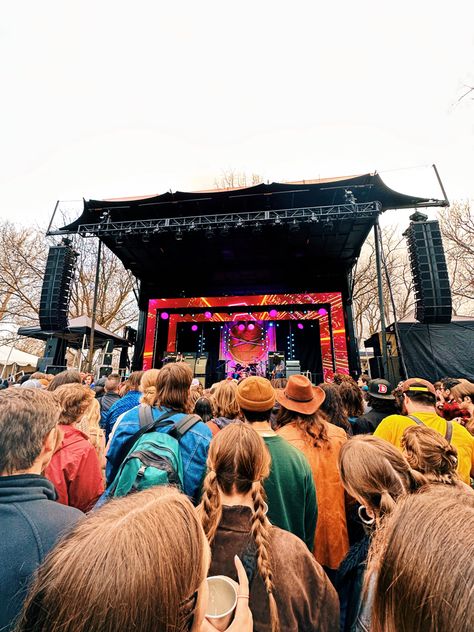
x=293, y=367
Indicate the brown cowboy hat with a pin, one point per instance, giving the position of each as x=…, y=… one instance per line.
x=300, y=396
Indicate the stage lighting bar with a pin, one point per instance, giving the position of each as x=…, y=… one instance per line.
x=226, y=221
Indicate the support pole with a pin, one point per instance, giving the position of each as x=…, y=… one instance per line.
x=378, y=261
x=94, y=306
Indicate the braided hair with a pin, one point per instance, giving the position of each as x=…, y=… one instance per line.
x=238, y=462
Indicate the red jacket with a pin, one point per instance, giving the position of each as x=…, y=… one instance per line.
x=75, y=470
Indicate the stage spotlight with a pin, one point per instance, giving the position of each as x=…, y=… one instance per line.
x=164, y=315
x=225, y=231
x=328, y=226
x=207, y=315
x=294, y=227
x=314, y=218
x=251, y=327
x=119, y=240
x=273, y=313
x=146, y=238
x=179, y=235
x=277, y=221
x=194, y=328
x=300, y=326
x=270, y=324
x=257, y=228
x=209, y=233
x=322, y=311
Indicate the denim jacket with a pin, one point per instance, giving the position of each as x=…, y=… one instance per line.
x=193, y=446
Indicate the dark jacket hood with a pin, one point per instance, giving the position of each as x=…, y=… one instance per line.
x=25, y=487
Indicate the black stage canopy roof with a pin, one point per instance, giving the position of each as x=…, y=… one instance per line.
x=299, y=236
x=75, y=332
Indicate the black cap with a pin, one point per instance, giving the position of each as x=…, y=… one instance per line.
x=381, y=389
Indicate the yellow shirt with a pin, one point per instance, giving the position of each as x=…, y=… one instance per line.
x=391, y=429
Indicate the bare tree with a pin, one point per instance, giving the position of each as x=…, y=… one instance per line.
x=457, y=228
x=231, y=179
x=23, y=254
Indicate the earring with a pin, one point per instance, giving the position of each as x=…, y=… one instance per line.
x=364, y=516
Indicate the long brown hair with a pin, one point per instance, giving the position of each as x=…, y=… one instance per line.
x=74, y=400
x=152, y=558
x=421, y=561
x=173, y=387
x=238, y=461
x=333, y=407
x=65, y=377
x=375, y=472
x=314, y=426
x=351, y=396
x=427, y=451
x=225, y=400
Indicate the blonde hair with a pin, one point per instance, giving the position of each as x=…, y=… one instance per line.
x=239, y=460
x=225, y=400
x=144, y=576
x=148, y=386
x=421, y=561
x=74, y=400
x=90, y=425
x=376, y=473
x=428, y=452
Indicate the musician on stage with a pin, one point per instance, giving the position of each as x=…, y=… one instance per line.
x=278, y=368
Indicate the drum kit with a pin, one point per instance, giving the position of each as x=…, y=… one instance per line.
x=240, y=371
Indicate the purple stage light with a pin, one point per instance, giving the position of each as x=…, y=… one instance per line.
x=207, y=315
x=251, y=327
x=241, y=327
x=322, y=311
x=165, y=315
x=273, y=313
x=300, y=326
x=194, y=328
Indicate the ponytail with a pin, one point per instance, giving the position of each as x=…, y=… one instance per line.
x=415, y=480
x=210, y=509
x=261, y=535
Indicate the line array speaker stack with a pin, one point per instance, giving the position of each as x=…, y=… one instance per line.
x=56, y=290
x=429, y=270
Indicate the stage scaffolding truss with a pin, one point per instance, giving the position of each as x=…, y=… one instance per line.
x=291, y=217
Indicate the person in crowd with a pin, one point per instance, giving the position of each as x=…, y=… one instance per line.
x=421, y=572
x=111, y=395
x=88, y=380
x=74, y=469
x=446, y=404
x=129, y=398
x=382, y=404
x=376, y=475
x=463, y=394
x=428, y=452
x=333, y=407
x=225, y=406
x=171, y=402
x=288, y=588
x=31, y=522
x=290, y=489
x=99, y=387
x=138, y=582
x=352, y=400
x=89, y=424
x=194, y=395
x=277, y=384
x=203, y=408
x=31, y=384
x=363, y=382
x=65, y=377
x=417, y=399
x=300, y=423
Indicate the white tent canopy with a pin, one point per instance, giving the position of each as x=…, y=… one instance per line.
x=12, y=359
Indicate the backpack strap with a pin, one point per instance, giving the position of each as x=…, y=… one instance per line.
x=186, y=423
x=416, y=420
x=449, y=431
x=449, y=427
x=145, y=416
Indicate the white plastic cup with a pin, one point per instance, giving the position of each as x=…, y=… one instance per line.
x=222, y=600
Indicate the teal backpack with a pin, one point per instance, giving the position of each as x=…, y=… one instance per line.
x=151, y=456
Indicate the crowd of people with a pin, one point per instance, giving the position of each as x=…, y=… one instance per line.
x=346, y=506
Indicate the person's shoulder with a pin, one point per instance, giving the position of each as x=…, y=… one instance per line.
x=279, y=444
x=392, y=421
x=336, y=432
x=292, y=552
x=202, y=430
x=462, y=433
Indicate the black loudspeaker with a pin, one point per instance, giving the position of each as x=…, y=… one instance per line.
x=430, y=272
x=108, y=350
x=56, y=291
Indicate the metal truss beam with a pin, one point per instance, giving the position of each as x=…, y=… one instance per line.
x=304, y=215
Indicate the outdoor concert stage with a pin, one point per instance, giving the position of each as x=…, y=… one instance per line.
x=230, y=276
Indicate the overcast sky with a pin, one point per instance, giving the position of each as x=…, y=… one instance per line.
x=111, y=98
